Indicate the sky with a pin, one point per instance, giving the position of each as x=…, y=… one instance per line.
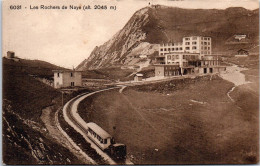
x=67, y=37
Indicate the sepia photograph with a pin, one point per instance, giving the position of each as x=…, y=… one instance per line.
x=138, y=82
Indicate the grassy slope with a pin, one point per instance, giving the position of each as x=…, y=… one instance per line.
x=28, y=96
x=147, y=119
x=25, y=97
x=219, y=24
x=250, y=62
x=33, y=67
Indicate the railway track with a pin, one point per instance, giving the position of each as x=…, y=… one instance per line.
x=68, y=109
x=70, y=116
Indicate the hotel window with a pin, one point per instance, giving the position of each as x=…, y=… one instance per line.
x=58, y=74
x=194, y=43
x=71, y=74
x=172, y=49
x=194, y=48
x=169, y=49
x=187, y=38
x=187, y=43
x=161, y=49
x=169, y=57
x=205, y=43
x=176, y=49
x=165, y=49
x=187, y=48
x=181, y=48
x=205, y=48
x=208, y=48
x=177, y=56
x=208, y=43
x=161, y=53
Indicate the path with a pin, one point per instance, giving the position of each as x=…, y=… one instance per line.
x=50, y=119
x=233, y=74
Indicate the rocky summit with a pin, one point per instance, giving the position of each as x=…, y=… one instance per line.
x=136, y=44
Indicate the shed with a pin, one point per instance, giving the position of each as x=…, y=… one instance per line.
x=138, y=77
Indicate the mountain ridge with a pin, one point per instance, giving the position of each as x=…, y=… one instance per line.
x=158, y=24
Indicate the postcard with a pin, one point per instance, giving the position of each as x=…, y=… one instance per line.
x=150, y=82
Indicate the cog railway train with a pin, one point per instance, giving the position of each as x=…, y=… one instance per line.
x=106, y=142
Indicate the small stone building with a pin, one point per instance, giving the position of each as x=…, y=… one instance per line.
x=10, y=54
x=67, y=78
x=138, y=77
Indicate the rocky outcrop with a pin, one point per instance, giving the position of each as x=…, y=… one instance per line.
x=114, y=51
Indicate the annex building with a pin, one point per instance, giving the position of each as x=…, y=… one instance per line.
x=67, y=78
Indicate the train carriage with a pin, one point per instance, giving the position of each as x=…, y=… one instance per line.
x=105, y=141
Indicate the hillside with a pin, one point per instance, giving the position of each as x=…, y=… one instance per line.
x=180, y=121
x=153, y=25
x=32, y=67
x=25, y=138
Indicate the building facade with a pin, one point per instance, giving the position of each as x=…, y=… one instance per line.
x=167, y=70
x=67, y=78
x=170, y=47
x=181, y=58
x=197, y=44
x=193, y=44
x=210, y=64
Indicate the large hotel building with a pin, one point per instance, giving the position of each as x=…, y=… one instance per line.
x=193, y=44
x=193, y=54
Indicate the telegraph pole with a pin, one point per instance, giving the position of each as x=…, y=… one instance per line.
x=61, y=98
